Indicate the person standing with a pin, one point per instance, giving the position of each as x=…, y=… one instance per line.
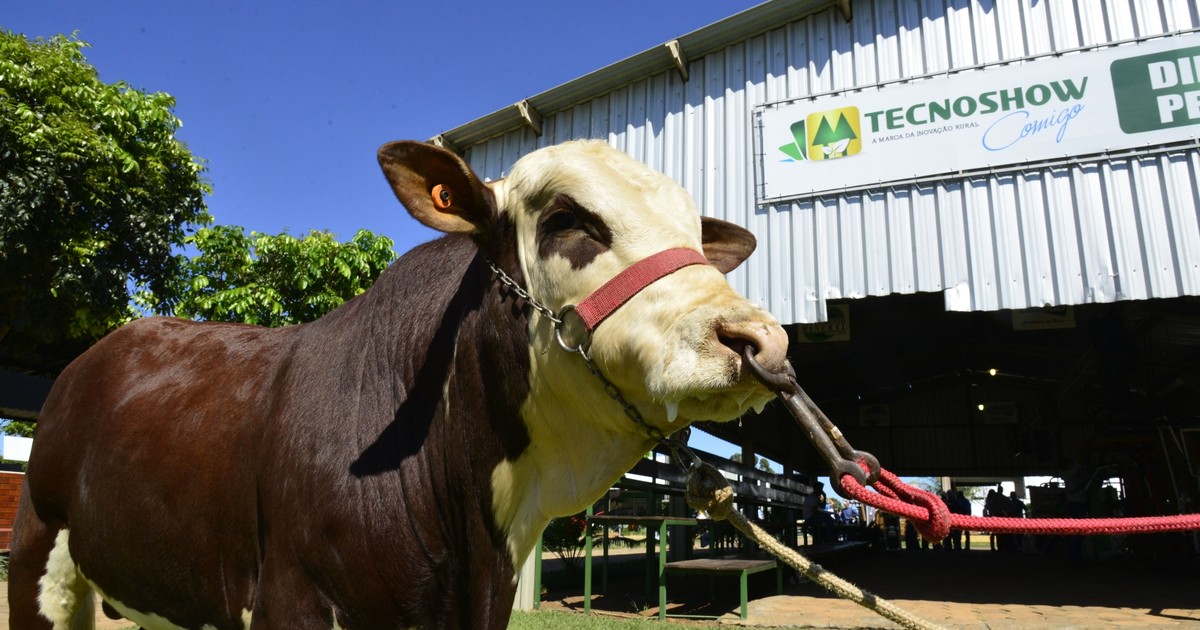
x=954, y=543
x=964, y=508
x=1018, y=506
x=1016, y=509
x=991, y=507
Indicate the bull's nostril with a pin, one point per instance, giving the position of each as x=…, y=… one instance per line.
x=766, y=341
x=737, y=345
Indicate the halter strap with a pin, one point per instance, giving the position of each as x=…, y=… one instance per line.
x=596, y=307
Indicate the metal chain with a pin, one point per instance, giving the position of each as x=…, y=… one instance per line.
x=678, y=447
x=683, y=455
x=507, y=281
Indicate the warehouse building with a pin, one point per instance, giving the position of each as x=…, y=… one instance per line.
x=978, y=220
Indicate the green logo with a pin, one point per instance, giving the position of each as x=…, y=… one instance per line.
x=1158, y=91
x=827, y=135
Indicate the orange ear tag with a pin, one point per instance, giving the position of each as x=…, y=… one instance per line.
x=442, y=198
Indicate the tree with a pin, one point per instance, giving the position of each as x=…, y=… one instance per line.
x=95, y=192
x=928, y=484
x=266, y=280
x=275, y=280
x=565, y=537
x=19, y=428
x=762, y=463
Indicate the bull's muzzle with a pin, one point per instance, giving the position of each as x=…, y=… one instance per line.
x=767, y=339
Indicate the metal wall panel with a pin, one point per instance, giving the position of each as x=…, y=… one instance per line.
x=1117, y=229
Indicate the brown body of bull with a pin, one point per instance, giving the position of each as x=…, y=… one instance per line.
x=342, y=473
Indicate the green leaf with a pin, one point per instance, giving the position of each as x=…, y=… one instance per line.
x=277, y=280
x=96, y=191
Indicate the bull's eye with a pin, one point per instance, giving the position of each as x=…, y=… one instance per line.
x=570, y=230
x=562, y=221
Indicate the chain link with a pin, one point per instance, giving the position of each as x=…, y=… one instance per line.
x=683, y=455
x=507, y=281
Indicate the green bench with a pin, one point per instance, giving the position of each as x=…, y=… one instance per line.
x=714, y=567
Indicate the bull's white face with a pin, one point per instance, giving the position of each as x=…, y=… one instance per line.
x=583, y=212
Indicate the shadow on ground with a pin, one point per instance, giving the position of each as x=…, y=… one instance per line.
x=968, y=587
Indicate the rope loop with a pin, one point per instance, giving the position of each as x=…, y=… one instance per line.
x=709, y=491
x=937, y=527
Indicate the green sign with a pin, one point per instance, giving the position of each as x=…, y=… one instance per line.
x=1158, y=91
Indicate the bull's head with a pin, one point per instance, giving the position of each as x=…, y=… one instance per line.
x=581, y=213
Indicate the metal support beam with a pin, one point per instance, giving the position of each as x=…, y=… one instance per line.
x=442, y=141
x=844, y=7
x=677, y=56
x=531, y=117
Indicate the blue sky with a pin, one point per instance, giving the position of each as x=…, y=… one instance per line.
x=288, y=101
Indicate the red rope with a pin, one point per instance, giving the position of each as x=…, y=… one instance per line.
x=934, y=520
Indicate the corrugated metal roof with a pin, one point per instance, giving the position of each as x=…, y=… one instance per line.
x=696, y=44
x=1110, y=228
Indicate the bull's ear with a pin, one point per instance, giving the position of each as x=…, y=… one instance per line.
x=725, y=245
x=436, y=186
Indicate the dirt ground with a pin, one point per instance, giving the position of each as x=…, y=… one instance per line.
x=972, y=589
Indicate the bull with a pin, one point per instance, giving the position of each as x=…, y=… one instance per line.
x=390, y=464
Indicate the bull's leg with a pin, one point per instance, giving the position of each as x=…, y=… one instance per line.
x=45, y=591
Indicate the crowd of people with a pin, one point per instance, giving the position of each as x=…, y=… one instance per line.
x=996, y=504
x=829, y=521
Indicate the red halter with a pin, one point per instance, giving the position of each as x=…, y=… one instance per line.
x=596, y=307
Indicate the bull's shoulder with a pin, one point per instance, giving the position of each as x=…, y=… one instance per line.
x=167, y=364
x=177, y=325
x=156, y=343
x=173, y=330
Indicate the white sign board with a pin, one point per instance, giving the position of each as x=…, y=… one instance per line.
x=15, y=448
x=1052, y=107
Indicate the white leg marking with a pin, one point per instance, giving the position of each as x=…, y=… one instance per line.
x=65, y=597
x=151, y=621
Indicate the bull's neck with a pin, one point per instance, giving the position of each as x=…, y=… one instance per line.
x=452, y=379
x=494, y=432
x=466, y=375
x=580, y=444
